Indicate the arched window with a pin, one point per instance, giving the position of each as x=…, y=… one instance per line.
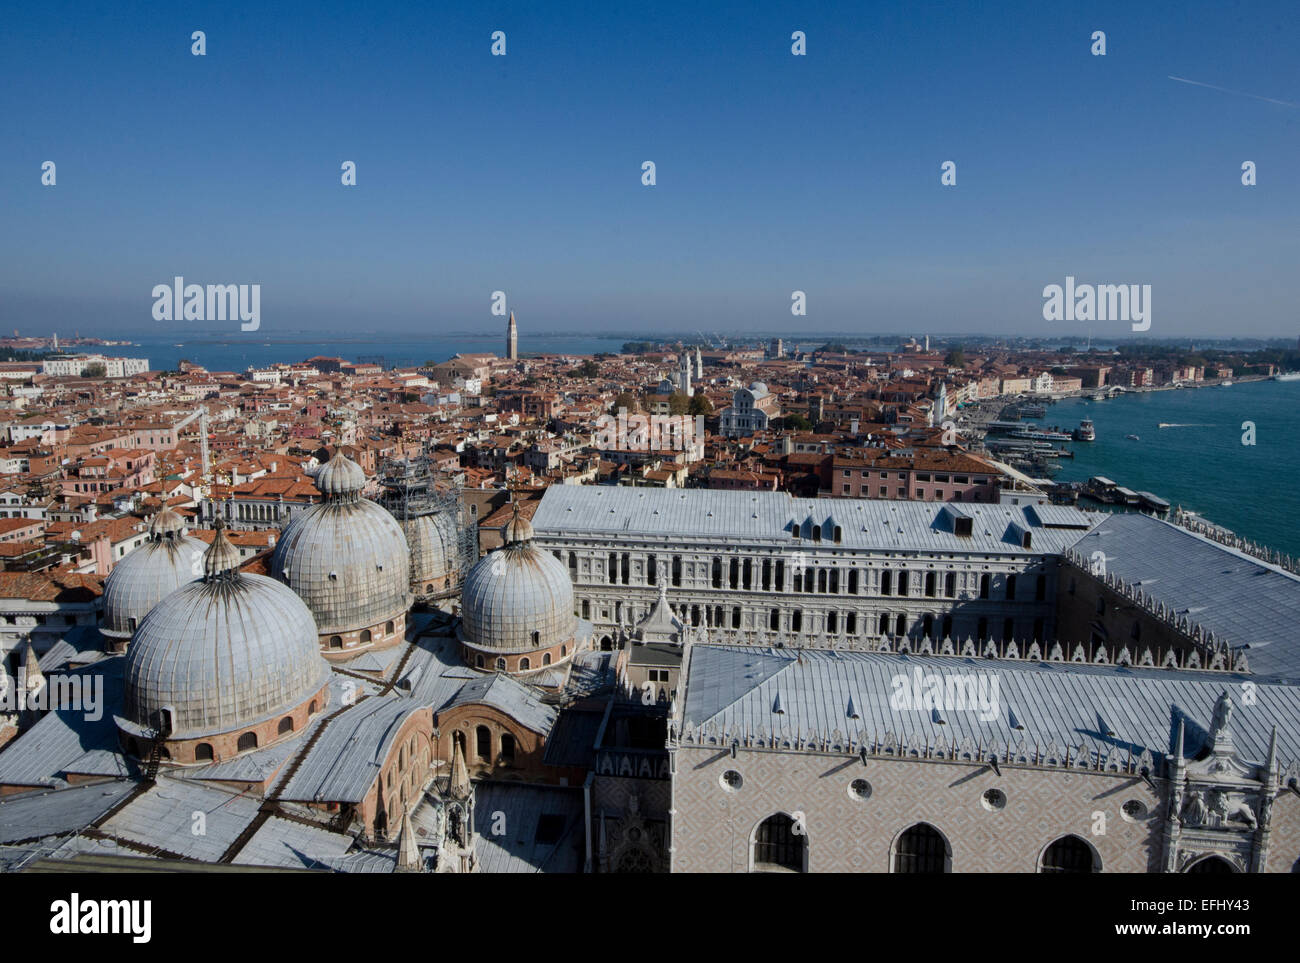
x=478, y=661
x=546, y=659
x=286, y=725
x=777, y=847
x=537, y=637
x=984, y=586
x=1211, y=864
x=886, y=583
x=501, y=664
x=365, y=635
x=1069, y=854
x=483, y=743
x=507, y=748
x=921, y=849
x=564, y=649
x=203, y=752
x=247, y=741
x=525, y=664
x=389, y=627
x=311, y=709
x=336, y=642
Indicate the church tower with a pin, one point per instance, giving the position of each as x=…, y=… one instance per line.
x=512, y=339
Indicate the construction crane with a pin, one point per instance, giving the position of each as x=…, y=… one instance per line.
x=200, y=413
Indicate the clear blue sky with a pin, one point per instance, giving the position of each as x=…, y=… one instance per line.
x=775, y=172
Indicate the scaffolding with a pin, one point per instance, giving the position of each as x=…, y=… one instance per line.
x=409, y=490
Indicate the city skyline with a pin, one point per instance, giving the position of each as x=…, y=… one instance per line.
x=775, y=173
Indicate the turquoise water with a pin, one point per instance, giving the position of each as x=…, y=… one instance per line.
x=1200, y=461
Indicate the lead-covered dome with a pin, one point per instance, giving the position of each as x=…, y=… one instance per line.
x=148, y=574
x=434, y=541
x=348, y=559
x=518, y=599
x=226, y=654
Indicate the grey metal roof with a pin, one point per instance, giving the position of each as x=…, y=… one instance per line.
x=507, y=694
x=348, y=754
x=740, y=687
x=292, y=844
x=524, y=806
x=1242, y=600
x=572, y=741
x=164, y=816
x=50, y=812
x=765, y=518
x=61, y=739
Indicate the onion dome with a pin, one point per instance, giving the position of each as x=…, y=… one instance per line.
x=518, y=598
x=348, y=559
x=221, y=655
x=341, y=477
x=146, y=575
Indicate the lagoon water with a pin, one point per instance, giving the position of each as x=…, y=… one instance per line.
x=238, y=352
x=1198, y=460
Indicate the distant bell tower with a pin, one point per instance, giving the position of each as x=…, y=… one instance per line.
x=512, y=339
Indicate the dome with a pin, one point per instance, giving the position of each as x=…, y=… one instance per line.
x=513, y=593
x=222, y=654
x=346, y=557
x=149, y=573
x=340, y=476
x=435, y=551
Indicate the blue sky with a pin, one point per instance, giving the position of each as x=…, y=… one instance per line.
x=775, y=173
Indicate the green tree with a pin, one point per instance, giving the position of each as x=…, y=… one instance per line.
x=700, y=405
x=956, y=358
x=797, y=421
x=678, y=403
x=625, y=400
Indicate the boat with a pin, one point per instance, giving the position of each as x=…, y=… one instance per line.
x=1225, y=384
x=1287, y=376
x=1085, y=431
x=1132, y=437
x=1099, y=396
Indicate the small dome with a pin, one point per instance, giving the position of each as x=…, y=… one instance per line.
x=221, y=556
x=222, y=654
x=167, y=522
x=513, y=593
x=148, y=574
x=340, y=476
x=518, y=529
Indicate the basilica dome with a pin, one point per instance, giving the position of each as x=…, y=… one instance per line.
x=223, y=664
x=435, y=552
x=147, y=575
x=517, y=606
x=348, y=559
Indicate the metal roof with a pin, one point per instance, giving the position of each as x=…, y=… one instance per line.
x=507, y=694
x=526, y=809
x=767, y=518
x=348, y=754
x=741, y=687
x=1242, y=600
x=50, y=812
x=62, y=739
x=288, y=843
x=165, y=816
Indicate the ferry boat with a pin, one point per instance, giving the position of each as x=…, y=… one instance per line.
x=1287, y=376
x=1225, y=384
x=1085, y=431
